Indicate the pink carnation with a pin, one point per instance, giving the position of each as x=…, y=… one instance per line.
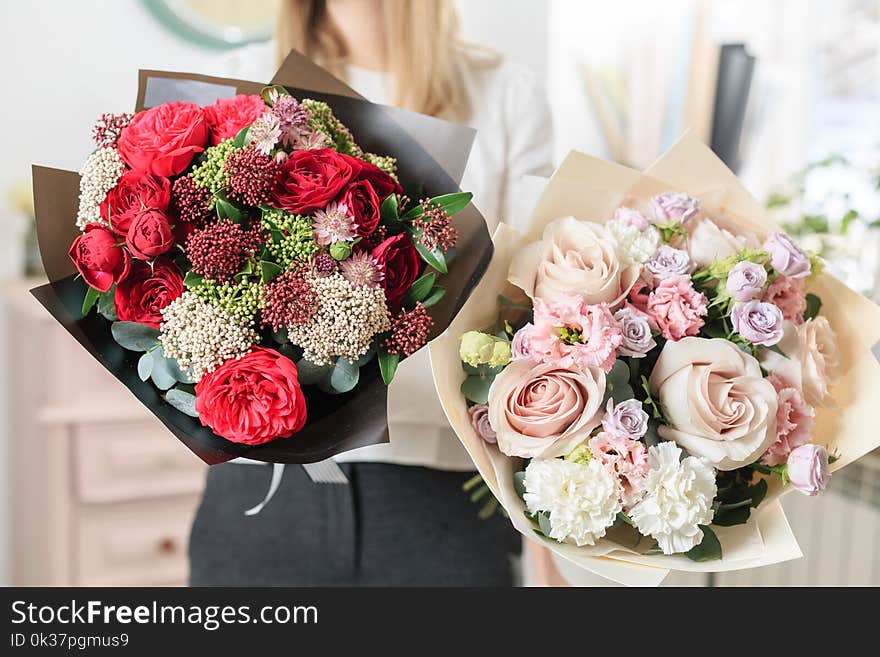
x=794, y=422
x=788, y=295
x=639, y=295
x=677, y=307
x=627, y=460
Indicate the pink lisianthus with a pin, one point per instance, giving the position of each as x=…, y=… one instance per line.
x=789, y=296
x=639, y=295
x=538, y=343
x=677, y=307
x=794, y=422
x=627, y=460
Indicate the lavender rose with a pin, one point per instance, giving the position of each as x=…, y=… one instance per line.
x=675, y=206
x=808, y=469
x=787, y=257
x=626, y=420
x=746, y=281
x=637, y=339
x=669, y=261
x=758, y=322
x=480, y=422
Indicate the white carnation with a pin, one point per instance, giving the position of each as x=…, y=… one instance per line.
x=638, y=245
x=583, y=500
x=678, y=499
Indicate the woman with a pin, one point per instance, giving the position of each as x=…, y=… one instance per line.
x=403, y=519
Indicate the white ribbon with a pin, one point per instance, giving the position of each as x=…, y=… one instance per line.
x=277, y=474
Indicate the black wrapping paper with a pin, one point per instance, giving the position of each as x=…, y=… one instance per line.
x=336, y=423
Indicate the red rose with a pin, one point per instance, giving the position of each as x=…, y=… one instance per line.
x=147, y=290
x=228, y=116
x=98, y=258
x=252, y=399
x=401, y=264
x=150, y=235
x=164, y=139
x=369, y=187
x=135, y=191
x=310, y=179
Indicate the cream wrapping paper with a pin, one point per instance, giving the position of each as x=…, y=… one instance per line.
x=590, y=189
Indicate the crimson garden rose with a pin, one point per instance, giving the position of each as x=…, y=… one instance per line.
x=135, y=191
x=311, y=179
x=98, y=258
x=164, y=139
x=401, y=263
x=149, y=235
x=147, y=289
x=228, y=116
x=369, y=187
x=252, y=399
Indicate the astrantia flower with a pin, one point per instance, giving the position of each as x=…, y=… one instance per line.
x=292, y=118
x=678, y=499
x=362, y=270
x=264, y=133
x=334, y=224
x=309, y=141
x=582, y=500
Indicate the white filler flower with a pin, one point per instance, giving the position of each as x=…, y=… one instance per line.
x=678, y=500
x=583, y=500
x=638, y=244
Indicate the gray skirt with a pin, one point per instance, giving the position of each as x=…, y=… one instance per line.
x=392, y=525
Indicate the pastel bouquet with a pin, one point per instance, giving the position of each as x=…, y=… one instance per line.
x=660, y=367
x=258, y=268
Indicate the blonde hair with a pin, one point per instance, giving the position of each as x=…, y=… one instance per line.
x=424, y=53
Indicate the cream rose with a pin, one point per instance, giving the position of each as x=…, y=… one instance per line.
x=708, y=242
x=812, y=360
x=715, y=400
x=543, y=410
x=574, y=257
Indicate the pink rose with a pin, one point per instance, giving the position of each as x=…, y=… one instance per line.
x=808, y=469
x=675, y=206
x=677, y=307
x=627, y=460
x=542, y=410
x=789, y=296
x=794, y=422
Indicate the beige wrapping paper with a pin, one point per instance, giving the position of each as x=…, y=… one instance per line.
x=590, y=189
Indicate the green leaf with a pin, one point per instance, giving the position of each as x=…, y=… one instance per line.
x=145, y=366
x=814, y=305
x=651, y=436
x=269, y=270
x=451, y=203
x=437, y=293
x=519, y=483
x=90, y=300
x=388, y=365
x=264, y=93
x=180, y=375
x=366, y=358
x=134, y=336
x=735, y=514
x=107, y=306
x=161, y=374
x=758, y=492
x=420, y=289
x=816, y=223
x=182, y=401
x=434, y=257
x=310, y=374
x=708, y=549
x=847, y=219
x=388, y=209
x=476, y=388
x=241, y=138
x=193, y=279
x=544, y=522
x=344, y=375
x=226, y=209
x=280, y=336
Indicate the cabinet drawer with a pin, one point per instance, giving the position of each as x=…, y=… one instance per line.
x=118, y=461
x=135, y=543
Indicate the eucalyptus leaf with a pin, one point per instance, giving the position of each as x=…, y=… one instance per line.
x=519, y=483
x=344, y=376
x=182, y=401
x=366, y=358
x=90, y=300
x=145, y=366
x=544, y=523
x=134, y=336
x=437, y=293
x=388, y=365
x=161, y=374
x=280, y=336
x=107, y=306
x=476, y=389
x=310, y=374
x=708, y=549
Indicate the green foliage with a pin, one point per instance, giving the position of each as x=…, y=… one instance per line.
x=476, y=386
x=183, y=401
x=708, y=549
x=134, y=336
x=90, y=300
x=419, y=290
x=436, y=294
x=449, y=203
x=107, y=306
x=737, y=496
x=388, y=365
x=433, y=257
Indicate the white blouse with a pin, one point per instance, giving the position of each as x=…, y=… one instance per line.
x=514, y=139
